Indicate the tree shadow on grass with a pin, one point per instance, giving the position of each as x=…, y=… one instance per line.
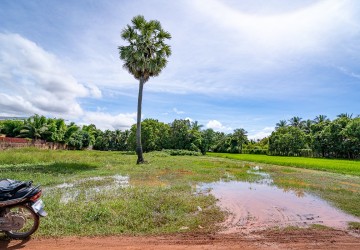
x=52, y=168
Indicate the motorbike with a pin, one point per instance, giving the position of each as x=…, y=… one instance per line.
x=20, y=208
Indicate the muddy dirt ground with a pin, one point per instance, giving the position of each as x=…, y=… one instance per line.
x=269, y=239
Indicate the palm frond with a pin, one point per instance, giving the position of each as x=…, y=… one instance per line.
x=145, y=55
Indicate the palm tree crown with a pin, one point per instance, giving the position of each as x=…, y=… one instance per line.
x=345, y=115
x=146, y=54
x=296, y=121
x=281, y=124
x=321, y=118
x=34, y=127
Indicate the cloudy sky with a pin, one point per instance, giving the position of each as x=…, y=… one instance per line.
x=235, y=64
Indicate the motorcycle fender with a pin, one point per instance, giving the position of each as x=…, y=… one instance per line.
x=38, y=208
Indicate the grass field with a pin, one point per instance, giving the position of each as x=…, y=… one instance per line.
x=329, y=165
x=158, y=197
x=161, y=198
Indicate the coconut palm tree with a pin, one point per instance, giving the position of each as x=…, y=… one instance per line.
x=238, y=138
x=34, y=127
x=345, y=115
x=145, y=56
x=281, y=124
x=307, y=126
x=196, y=126
x=70, y=129
x=296, y=121
x=320, y=118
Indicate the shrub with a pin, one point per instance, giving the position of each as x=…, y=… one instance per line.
x=174, y=152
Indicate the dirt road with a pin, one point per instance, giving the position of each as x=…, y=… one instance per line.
x=270, y=239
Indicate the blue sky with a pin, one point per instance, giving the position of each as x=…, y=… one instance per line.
x=235, y=64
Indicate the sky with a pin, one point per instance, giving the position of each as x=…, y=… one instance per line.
x=234, y=64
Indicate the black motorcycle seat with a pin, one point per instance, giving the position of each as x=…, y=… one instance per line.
x=20, y=193
x=12, y=186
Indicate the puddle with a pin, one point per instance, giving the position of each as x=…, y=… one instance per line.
x=71, y=191
x=260, y=205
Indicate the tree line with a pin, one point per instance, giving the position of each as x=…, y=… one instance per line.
x=156, y=135
x=320, y=137
x=39, y=127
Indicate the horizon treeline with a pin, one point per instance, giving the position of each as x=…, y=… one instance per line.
x=320, y=137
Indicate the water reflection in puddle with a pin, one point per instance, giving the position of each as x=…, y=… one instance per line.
x=260, y=205
x=70, y=191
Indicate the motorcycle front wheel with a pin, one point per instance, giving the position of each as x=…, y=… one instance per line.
x=31, y=221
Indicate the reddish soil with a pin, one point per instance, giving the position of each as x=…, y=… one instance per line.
x=269, y=239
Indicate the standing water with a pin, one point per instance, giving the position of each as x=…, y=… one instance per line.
x=261, y=205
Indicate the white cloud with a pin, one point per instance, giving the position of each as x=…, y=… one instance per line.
x=262, y=133
x=15, y=104
x=108, y=121
x=179, y=112
x=232, y=51
x=216, y=125
x=34, y=81
x=247, y=53
x=305, y=29
x=94, y=91
x=189, y=119
x=348, y=72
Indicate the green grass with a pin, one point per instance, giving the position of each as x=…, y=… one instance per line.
x=55, y=167
x=162, y=196
x=131, y=211
x=329, y=165
x=354, y=226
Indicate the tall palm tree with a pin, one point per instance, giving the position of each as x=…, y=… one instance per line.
x=144, y=57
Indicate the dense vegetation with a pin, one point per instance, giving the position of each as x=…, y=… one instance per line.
x=180, y=135
x=320, y=137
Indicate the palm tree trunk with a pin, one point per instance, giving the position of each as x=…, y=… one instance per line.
x=139, y=150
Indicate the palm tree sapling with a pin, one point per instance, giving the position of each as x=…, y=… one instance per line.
x=145, y=56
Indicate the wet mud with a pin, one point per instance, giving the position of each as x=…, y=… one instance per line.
x=261, y=205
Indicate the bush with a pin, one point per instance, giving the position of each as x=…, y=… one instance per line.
x=174, y=152
x=79, y=140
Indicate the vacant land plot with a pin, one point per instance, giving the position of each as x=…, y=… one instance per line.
x=92, y=193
